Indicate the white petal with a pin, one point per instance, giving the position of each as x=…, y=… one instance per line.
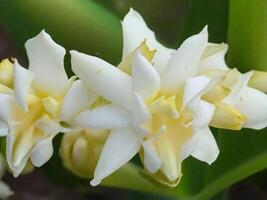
x=76, y=100
x=22, y=83
x=140, y=110
x=42, y=152
x=146, y=80
x=194, y=88
x=213, y=58
x=203, y=114
x=238, y=88
x=203, y=146
x=206, y=148
x=48, y=126
x=8, y=109
x=46, y=60
x=253, y=104
x=103, y=117
x=17, y=158
x=184, y=62
x=135, y=31
x=103, y=78
x=120, y=147
x=3, y=129
x=188, y=147
x=152, y=161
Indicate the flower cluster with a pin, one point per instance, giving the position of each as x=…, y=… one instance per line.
x=158, y=103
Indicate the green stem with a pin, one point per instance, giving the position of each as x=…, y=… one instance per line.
x=247, y=34
x=232, y=176
x=129, y=177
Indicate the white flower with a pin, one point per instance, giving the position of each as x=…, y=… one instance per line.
x=250, y=102
x=241, y=111
x=30, y=110
x=152, y=108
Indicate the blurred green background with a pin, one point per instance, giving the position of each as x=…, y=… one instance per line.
x=93, y=27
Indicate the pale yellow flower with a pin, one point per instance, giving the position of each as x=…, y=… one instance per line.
x=146, y=110
x=31, y=101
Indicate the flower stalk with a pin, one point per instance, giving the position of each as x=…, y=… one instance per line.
x=135, y=181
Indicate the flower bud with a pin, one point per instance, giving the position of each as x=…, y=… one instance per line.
x=259, y=81
x=81, y=149
x=6, y=73
x=227, y=117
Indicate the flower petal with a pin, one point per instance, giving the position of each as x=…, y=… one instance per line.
x=6, y=90
x=188, y=147
x=202, y=146
x=253, y=104
x=203, y=114
x=22, y=83
x=135, y=31
x=238, y=88
x=194, y=87
x=171, y=164
x=146, y=80
x=206, y=148
x=259, y=81
x=103, y=78
x=140, y=111
x=103, y=117
x=152, y=161
x=227, y=117
x=42, y=151
x=3, y=129
x=213, y=57
x=76, y=100
x=9, y=109
x=184, y=62
x=46, y=62
x=6, y=73
x=18, y=149
x=120, y=147
x=166, y=106
x=48, y=126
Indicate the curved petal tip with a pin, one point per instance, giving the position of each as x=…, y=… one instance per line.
x=95, y=182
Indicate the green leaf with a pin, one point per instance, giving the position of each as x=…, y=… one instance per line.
x=76, y=24
x=200, y=13
x=247, y=34
x=242, y=154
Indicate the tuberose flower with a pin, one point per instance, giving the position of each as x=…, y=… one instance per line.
x=30, y=102
x=233, y=97
x=147, y=110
